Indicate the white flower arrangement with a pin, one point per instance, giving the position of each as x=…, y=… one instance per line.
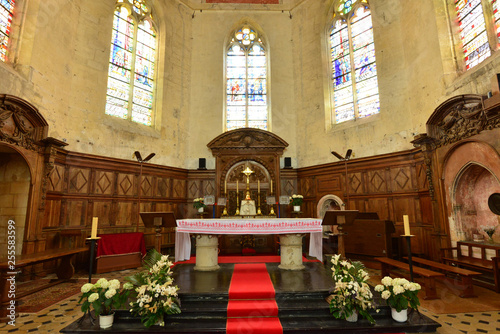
x=399, y=293
x=156, y=295
x=296, y=200
x=352, y=292
x=104, y=296
x=199, y=203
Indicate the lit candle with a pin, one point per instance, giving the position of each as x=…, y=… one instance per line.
x=271, y=186
x=406, y=223
x=93, y=235
x=236, y=185
x=225, y=187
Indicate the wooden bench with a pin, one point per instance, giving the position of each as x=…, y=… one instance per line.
x=467, y=290
x=482, y=264
x=9, y=270
x=429, y=276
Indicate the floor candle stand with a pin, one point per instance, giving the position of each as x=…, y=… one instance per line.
x=92, y=245
x=410, y=264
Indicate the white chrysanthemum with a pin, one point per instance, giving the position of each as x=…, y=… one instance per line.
x=417, y=286
x=114, y=284
x=385, y=295
x=387, y=281
x=398, y=289
x=93, y=297
x=87, y=287
x=110, y=293
x=103, y=283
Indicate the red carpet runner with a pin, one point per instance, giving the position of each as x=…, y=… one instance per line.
x=251, y=308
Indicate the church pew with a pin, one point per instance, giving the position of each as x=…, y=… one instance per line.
x=429, y=276
x=464, y=274
x=9, y=269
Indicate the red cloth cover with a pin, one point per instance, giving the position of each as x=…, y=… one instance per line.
x=121, y=243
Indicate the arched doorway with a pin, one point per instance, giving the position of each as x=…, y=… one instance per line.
x=15, y=185
x=470, y=192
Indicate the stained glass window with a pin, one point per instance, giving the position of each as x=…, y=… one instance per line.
x=246, y=87
x=496, y=17
x=6, y=12
x=472, y=31
x=132, y=64
x=354, y=71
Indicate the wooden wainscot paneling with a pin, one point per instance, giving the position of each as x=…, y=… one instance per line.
x=162, y=188
x=102, y=210
x=125, y=184
x=76, y=212
x=357, y=184
x=56, y=179
x=179, y=189
x=401, y=179
x=328, y=184
x=125, y=214
x=51, y=213
x=376, y=181
x=379, y=205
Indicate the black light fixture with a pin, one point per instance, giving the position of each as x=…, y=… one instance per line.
x=138, y=156
x=344, y=159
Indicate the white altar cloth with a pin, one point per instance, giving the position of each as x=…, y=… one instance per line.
x=247, y=226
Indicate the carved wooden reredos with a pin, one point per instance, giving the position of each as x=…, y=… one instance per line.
x=236, y=149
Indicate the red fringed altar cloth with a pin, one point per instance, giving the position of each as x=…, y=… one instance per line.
x=121, y=243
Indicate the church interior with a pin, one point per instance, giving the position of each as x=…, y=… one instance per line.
x=389, y=108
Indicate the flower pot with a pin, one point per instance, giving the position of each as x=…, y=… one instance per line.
x=399, y=316
x=200, y=210
x=106, y=321
x=353, y=317
x=296, y=208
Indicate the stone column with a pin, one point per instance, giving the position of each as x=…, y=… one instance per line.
x=291, y=251
x=207, y=252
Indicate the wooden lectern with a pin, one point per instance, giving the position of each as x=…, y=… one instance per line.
x=158, y=220
x=340, y=218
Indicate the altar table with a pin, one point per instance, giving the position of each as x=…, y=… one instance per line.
x=290, y=231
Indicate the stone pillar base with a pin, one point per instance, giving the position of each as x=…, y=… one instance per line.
x=207, y=252
x=291, y=252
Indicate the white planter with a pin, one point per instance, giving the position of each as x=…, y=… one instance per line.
x=200, y=210
x=353, y=317
x=399, y=316
x=106, y=321
x=296, y=208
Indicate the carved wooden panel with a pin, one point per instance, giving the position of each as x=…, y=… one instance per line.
x=421, y=174
x=179, y=189
x=52, y=213
x=104, y=182
x=328, y=183
x=102, y=210
x=56, y=179
x=125, y=185
x=288, y=187
x=124, y=213
x=194, y=188
x=147, y=182
x=376, y=181
x=404, y=206
x=209, y=187
x=162, y=187
x=380, y=206
x=76, y=213
x=401, y=179
x=79, y=180
x=356, y=182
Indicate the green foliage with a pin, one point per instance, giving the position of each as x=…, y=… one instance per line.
x=104, y=296
x=399, y=293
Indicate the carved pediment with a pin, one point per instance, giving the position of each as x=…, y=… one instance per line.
x=457, y=118
x=20, y=123
x=247, y=138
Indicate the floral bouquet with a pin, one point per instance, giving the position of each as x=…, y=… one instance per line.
x=296, y=200
x=156, y=295
x=399, y=293
x=104, y=296
x=352, y=292
x=198, y=203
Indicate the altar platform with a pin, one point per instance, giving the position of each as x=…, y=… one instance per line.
x=299, y=295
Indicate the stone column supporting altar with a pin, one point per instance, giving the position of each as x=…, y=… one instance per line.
x=207, y=252
x=291, y=251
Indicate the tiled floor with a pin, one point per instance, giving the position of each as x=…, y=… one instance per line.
x=58, y=316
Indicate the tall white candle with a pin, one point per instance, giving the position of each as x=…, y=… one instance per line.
x=236, y=185
x=93, y=235
x=225, y=186
x=258, y=186
x=271, y=186
x=406, y=223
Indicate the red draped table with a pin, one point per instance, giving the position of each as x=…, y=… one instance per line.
x=120, y=251
x=290, y=231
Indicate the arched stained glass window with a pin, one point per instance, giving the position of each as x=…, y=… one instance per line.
x=246, y=87
x=496, y=17
x=6, y=12
x=354, y=71
x=472, y=31
x=132, y=63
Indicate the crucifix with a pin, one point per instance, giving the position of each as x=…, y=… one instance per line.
x=247, y=173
